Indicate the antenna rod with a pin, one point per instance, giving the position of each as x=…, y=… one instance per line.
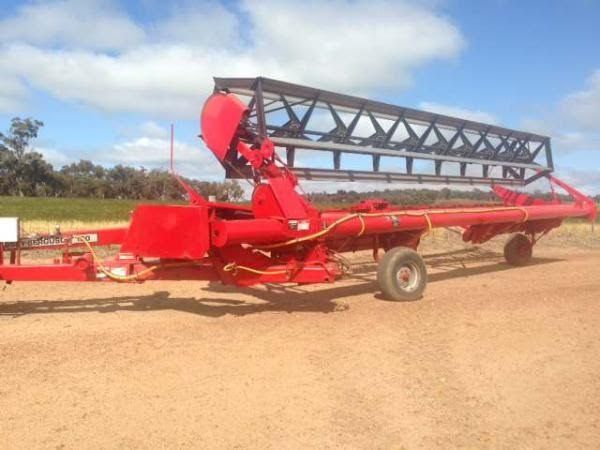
x=172, y=137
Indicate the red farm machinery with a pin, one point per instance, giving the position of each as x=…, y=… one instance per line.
x=269, y=132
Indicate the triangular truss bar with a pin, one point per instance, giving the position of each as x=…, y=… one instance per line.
x=299, y=118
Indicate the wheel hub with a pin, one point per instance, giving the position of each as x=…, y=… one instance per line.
x=408, y=277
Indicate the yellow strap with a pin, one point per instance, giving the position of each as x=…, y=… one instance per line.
x=361, y=216
x=233, y=267
x=138, y=276
x=363, y=225
x=429, y=225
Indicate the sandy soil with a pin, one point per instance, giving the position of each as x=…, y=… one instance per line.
x=490, y=357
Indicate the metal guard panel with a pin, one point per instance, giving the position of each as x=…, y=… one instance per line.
x=219, y=120
x=168, y=232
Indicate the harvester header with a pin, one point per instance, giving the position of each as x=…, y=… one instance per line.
x=259, y=129
x=434, y=148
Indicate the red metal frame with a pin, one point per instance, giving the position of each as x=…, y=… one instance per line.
x=282, y=237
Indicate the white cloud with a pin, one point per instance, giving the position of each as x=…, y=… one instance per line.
x=150, y=152
x=55, y=157
x=91, y=24
x=583, y=107
x=461, y=113
x=586, y=180
x=163, y=80
x=13, y=93
x=564, y=139
x=573, y=124
x=211, y=25
x=153, y=153
x=113, y=64
x=350, y=45
x=153, y=130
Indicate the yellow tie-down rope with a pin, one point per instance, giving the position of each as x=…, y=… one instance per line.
x=138, y=276
x=361, y=216
x=234, y=267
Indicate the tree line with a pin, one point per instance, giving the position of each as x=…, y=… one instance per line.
x=419, y=196
x=24, y=172
x=412, y=196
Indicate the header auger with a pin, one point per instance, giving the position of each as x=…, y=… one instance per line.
x=282, y=237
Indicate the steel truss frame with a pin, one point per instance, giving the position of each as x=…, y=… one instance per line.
x=462, y=151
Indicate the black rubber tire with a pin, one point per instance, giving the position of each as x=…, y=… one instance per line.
x=518, y=250
x=405, y=261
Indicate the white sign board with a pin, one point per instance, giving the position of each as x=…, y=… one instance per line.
x=9, y=229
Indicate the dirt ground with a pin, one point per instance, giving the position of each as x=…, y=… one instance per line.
x=492, y=356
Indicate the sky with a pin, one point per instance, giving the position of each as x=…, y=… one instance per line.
x=107, y=78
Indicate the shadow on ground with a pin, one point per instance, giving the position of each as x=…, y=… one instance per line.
x=273, y=298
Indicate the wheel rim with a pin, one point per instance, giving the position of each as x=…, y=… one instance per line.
x=408, y=277
x=524, y=250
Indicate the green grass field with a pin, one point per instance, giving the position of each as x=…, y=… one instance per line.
x=67, y=209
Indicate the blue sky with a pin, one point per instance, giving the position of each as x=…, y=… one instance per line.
x=108, y=77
